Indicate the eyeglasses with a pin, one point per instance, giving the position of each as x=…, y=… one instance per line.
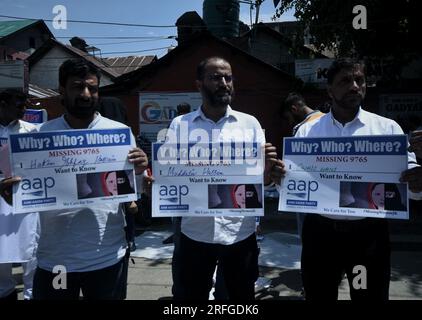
x=219, y=77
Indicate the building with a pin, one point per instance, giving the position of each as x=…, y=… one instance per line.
x=274, y=48
x=20, y=38
x=44, y=64
x=260, y=87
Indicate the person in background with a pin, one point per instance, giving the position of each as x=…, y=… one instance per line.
x=302, y=113
x=18, y=232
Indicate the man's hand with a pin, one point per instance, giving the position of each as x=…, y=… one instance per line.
x=414, y=178
x=416, y=143
x=274, y=167
x=140, y=160
x=6, y=188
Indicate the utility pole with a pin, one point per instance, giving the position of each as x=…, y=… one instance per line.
x=257, y=5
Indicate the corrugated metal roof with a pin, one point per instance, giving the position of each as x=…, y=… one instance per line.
x=38, y=92
x=97, y=62
x=123, y=65
x=9, y=27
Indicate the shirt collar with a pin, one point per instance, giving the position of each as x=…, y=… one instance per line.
x=311, y=114
x=360, y=117
x=200, y=114
x=93, y=122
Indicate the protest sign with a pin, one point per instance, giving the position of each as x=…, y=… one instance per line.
x=212, y=179
x=71, y=168
x=347, y=176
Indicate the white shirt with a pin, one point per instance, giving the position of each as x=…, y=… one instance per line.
x=82, y=239
x=365, y=123
x=18, y=232
x=230, y=128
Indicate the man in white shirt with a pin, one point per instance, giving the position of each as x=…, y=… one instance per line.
x=88, y=242
x=18, y=232
x=333, y=245
x=205, y=240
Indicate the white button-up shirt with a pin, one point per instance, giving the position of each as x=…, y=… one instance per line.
x=18, y=232
x=365, y=123
x=234, y=126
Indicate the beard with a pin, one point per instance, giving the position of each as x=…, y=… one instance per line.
x=219, y=98
x=80, y=108
x=349, y=101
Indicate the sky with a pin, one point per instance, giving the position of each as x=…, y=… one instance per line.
x=143, y=41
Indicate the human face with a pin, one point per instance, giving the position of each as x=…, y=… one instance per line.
x=81, y=96
x=13, y=110
x=216, y=86
x=378, y=196
x=348, y=89
x=111, y=183
x=239, y=196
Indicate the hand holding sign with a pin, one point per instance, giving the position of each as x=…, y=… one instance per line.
x=6, y=186
x=139, y=159
x=274, y=167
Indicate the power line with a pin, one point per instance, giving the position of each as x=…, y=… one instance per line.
x=104, y=53
x=125, y=42
x=97, y=22
x=122, y=38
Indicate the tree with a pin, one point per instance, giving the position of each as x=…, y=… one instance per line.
x=392, y=26
x=391, y=33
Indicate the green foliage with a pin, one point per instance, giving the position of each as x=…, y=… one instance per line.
x=392, y=26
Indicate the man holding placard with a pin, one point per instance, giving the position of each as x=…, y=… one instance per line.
x=338, y=242
x=206, y=236
x=83, y=247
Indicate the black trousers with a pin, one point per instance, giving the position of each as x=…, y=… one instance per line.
x=238, y=263
x=103, y=284
x=360, y=249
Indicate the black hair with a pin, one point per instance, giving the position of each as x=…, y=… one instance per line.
x=123, y=183
x=252, y=202
x=294, y=98
x=200, y=70
x=343, y=63
x=77, y=67
x=183, y=108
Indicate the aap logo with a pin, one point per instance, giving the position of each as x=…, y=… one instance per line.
x=301, y=188
x=37, y=186
x=173, y=193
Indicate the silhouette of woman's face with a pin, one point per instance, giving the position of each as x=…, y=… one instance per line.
x=378, y=196
x=239, y=195
x=111, y=183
